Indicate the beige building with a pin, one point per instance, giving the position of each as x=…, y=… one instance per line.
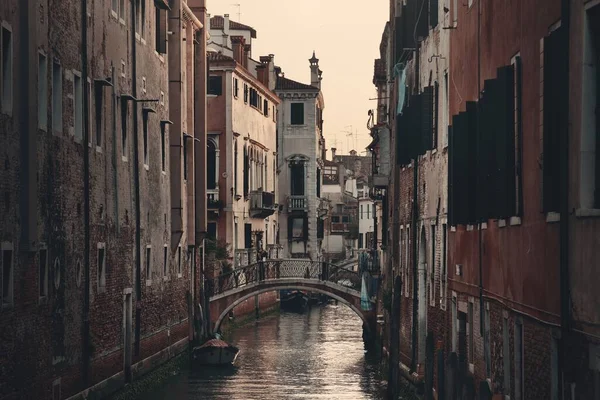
x=242, y=174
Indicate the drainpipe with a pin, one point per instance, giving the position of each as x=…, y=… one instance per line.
x=136, y=177
x=200, y=142
x=415, y=220
x=86, y=192
x=565, y=301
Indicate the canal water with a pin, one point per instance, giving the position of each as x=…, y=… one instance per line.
x=316, y=355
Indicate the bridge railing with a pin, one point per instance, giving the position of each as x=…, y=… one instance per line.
x=270, y=270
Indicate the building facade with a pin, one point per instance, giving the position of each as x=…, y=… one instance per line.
x=300, y=154
x=98, y=238
x=242, y=176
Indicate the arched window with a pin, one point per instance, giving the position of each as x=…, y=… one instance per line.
x=211, y=165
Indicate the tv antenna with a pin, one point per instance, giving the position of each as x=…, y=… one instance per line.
x=239, y=13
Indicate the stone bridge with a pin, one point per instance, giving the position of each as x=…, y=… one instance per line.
x=342, y=283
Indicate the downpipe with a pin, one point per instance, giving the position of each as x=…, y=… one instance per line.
x=136, y=177
x=86, y=194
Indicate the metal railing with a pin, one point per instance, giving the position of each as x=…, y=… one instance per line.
x=271, y=270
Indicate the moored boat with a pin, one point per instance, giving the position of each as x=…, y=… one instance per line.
x=293, y=300
x=215, y=352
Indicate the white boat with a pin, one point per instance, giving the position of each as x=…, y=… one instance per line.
x=215, y=352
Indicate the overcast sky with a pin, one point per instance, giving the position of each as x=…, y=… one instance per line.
x=345, y=35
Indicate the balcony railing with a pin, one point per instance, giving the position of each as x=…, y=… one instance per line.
x=262, y=204
x=297, y=203
x=212, y=199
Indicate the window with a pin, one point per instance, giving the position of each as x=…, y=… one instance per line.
x=373, y=205
x=124, y=110
x=56, y=272
x=297, y=228
x=345, y=219
x=42, y=91
x=145, y=136
x=266, y=108
x=274, y=112
x=245, y=93
x=486, y=341
x=89, y=111
x=140, y=17
x=297, y=179
x=78, y=107
x=163, y=144
x=165, y=260
x=122, y=10
x=519, y=360
x=254, y=98
x=57, y=98
x=433, y=266
x=185, y=163
x=179, y=270
x=247, y=235
x=506, y=356
x=98, y=97
x=361, y=211
x=7, y=71
x=436, y=109
x=114, y=6
x=235, y=168
x=160, y=30
x=211, y=165
x=297, y=114
x=407, y=259
x=7, y=274
x=360, y=241
x=444, y=272
x=454, y=324
x=235, y=87
x=433, y=13
x=368, y=211
x=446, y=107
x=215, y=85
x=470, y=332
x=43, y=272
x=590, y=143
x=148, y=262
x=335, y=219
x=101, y=265
x=470, y=3
x=517, y=97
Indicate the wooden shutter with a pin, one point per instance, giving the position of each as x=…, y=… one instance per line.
x=248, y=235
x=433, y=13
x=451, y=219
x=460, y=172
x=246, y=172
x=471, y=162
x=427, y=134
x=161, y=31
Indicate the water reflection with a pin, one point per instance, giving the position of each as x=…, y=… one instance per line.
x=316, y=355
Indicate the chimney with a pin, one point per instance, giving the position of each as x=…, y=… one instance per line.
x=333, y=150
x=226, y=24
x=238, y=43
x=247, y=54
x=315, y=72
x=266, y=71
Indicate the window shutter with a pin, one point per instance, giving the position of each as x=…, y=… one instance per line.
x=519, y=138
x=471, y=162
x=486, y=156
x=433, y=13
x=427, y=135
x=555, y=98
x=248, y=235
x=161, y=31
x=451, y=219
x=461, y=172
x=305, y=228
x=246, y=173
x=415, y=127
x=290, y=228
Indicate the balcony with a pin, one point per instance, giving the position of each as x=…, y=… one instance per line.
x=213, y=203
x=262, y=204
x=297, y=203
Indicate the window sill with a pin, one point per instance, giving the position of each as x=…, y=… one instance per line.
x=501, y=223
x=452, y=229
x=146, y=167
x=124, y=158
x=211, y=96
x=166, y=278
x=148, y=282
x=122, y=21
x=483, y=226
x=515, y=221
x=113, y=14
x=587, y=213
x=43, y=300
x=179, y=275
x=552, y=217
x=98, y=149
x=164, y=172
x=469, y=228
x=101, y=289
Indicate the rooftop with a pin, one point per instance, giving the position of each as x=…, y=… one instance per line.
x=218, y=22
x=288, y=84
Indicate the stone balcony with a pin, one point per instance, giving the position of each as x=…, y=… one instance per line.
x=262, y=204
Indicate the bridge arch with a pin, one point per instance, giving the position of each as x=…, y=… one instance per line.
x=258, y=290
